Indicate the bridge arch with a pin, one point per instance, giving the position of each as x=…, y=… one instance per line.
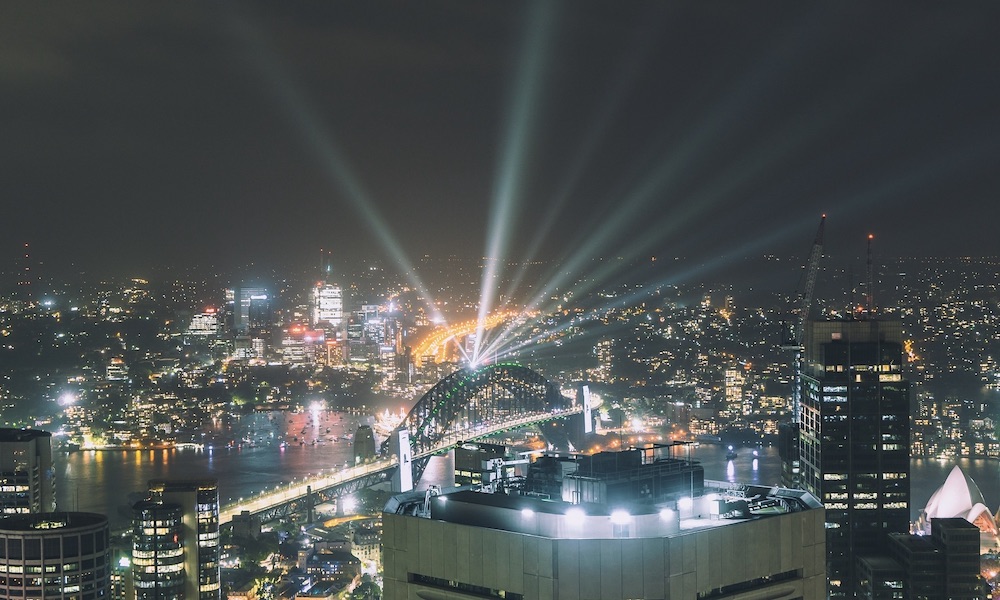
x=470, y=397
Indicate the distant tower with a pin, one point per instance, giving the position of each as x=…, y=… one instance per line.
x=198, y=503
x=25, y=276
x=55, y=555
x=854, y=442
x=27, y=480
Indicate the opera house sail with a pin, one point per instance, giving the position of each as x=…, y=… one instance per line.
x=960, y=497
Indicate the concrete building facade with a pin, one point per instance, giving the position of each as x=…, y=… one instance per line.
x=727, y=542
x=854, y=439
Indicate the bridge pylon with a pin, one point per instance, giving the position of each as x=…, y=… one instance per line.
x=399, y=445
x=583, y=399
x=310, y=506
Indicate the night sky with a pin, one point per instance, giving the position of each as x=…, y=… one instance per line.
x=215, y=133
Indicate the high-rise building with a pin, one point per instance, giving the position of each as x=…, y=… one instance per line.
x=198, y=535
x=205, y=324
x=27, y=480
x=55, y=555
x=300, y=345
x=654, y=531
x=941, y=566
x=327, y=305
x=734, y=387
x=260, y=315
x=251, y=309
x=854, y=439
x=158, y=559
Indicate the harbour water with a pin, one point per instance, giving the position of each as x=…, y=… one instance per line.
x=109, y=481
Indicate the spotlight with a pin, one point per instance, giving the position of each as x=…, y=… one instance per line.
x=575, y=516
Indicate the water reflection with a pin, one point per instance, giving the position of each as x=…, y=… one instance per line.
x=103, y=481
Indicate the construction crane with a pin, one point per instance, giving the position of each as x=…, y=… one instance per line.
x=793, y=342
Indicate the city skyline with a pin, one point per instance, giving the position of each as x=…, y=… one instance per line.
x=226, y=134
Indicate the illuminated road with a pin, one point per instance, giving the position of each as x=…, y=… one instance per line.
x=269, y=499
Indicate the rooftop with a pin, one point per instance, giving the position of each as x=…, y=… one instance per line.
x=182, y=485
x=41, y=523
x=720, y=505
x=8, y=434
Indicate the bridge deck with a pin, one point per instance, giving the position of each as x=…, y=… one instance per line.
x=295, y=491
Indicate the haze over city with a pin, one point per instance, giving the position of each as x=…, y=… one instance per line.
x=642, y=278
x=224, y=134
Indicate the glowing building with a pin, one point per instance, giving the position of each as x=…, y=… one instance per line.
x=327, y=306
x=300, y=345
x=27, y=480
x=734, y=386
x=55, y=555
x=205, y=323
x=116, y=370
x=688, y=539
x=854, y=439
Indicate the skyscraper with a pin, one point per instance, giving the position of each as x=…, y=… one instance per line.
x=198, y=535
x=55, y=555
x=27, y=481
x=854, y=440
x=158, y=551
x=327, y=305
x=252, y=306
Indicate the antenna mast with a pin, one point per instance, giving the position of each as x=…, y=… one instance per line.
x=799, y=326
x=869, y=285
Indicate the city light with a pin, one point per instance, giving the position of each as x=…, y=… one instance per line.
x=514, y=204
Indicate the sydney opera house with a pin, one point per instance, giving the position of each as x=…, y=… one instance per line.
x=960, y=497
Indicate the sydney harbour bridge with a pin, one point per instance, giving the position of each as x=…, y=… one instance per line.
x=468, y=405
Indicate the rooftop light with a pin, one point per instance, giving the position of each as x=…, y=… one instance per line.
x=620, y=517
x=575, y=516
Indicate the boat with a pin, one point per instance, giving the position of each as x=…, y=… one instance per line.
x=731, y=454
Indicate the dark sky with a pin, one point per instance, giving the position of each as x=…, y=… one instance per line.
x=214, y=133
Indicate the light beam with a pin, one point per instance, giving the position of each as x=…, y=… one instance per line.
x=516, y=146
